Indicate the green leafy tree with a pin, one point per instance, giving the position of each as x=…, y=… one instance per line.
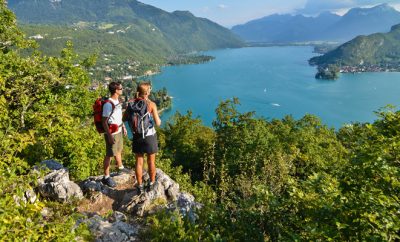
x=45, y=105
x=186, y=143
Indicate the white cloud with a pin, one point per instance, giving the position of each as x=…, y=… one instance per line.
x=222, y=6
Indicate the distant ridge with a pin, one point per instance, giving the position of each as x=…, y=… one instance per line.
x=149, y=28
x=325, y=27
x=284, y=28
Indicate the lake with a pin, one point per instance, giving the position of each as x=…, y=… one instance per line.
x=274, y=82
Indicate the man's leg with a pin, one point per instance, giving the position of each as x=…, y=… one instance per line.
x=118, y=150
x=151, y=163
x=106, y=165
x=118, y=158
x=139, y=168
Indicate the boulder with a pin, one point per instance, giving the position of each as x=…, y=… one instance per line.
x=56, y=184
x=51, y=165
x=113, y=229
x=165, y=189
x=92, y=186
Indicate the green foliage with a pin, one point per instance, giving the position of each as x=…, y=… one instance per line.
x=289, y=179
x=187, y=141
x=10, y=35
x=21, y=220
x=172, y=227
x=45, y=108
x=257, y=179
x=49, y=104
x=329, y=72
x=110, y=46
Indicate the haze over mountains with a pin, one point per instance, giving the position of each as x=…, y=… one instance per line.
x=325, y=27
x=123, y=25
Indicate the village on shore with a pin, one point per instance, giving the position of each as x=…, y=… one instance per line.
x=370, y=68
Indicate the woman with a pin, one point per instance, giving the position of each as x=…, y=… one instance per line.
x=144, y=140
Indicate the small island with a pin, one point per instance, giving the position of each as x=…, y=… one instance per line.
x=329, y=72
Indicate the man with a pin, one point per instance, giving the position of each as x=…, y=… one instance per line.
x=114, y=127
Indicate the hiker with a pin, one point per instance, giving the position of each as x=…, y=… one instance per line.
x=143, y=112
x=114, y=128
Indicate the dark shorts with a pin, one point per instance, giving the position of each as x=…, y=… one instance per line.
x=116, y=148
x=148, y=145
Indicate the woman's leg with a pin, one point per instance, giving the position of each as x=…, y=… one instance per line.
x=139, y=168
x=151, y=163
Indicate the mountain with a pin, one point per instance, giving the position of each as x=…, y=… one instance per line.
x=284, y=28
x=363, y=21
x=325, y=27
x=381, y=49
x=146, y=26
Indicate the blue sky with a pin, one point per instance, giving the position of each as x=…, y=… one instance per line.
x=232, y=12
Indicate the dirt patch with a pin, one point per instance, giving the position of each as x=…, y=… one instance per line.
x=103, y=204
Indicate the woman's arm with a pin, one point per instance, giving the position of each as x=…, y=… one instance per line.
x=155, y=114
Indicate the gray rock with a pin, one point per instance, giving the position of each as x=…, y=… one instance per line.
x=121, y=178
x=93, y=184
x=51, y=164
x=173, y=192
x=164, y=188
x=106, y=231
x=118, y=216
x=57, y=186
x=28, y=196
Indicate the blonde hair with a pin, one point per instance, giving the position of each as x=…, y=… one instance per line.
x=143, y=89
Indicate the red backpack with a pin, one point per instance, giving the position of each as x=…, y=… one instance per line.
x=98, y=112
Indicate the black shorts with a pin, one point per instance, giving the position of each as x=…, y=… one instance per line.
x=148, y=145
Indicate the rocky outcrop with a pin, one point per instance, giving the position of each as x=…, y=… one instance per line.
x=165, y=189
x=115, y=228
x=126, y=206
x=56, y=184
x=92, y=186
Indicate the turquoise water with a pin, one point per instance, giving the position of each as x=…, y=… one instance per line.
x=274, y=82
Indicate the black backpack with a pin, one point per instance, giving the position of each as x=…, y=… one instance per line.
x=138, y=116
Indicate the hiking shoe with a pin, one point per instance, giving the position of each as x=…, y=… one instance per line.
x=109, y=182
x=150, y=186
x=123, y=171
x=139, y=189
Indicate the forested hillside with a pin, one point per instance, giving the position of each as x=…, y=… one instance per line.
x=258, y=179
x=376, y=49
x=124, y=28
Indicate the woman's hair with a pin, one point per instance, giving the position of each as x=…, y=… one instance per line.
x=143, y=89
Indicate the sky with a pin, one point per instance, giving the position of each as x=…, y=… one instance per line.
x=232, y=12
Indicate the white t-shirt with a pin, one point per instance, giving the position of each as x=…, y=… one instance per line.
x=116, y=116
